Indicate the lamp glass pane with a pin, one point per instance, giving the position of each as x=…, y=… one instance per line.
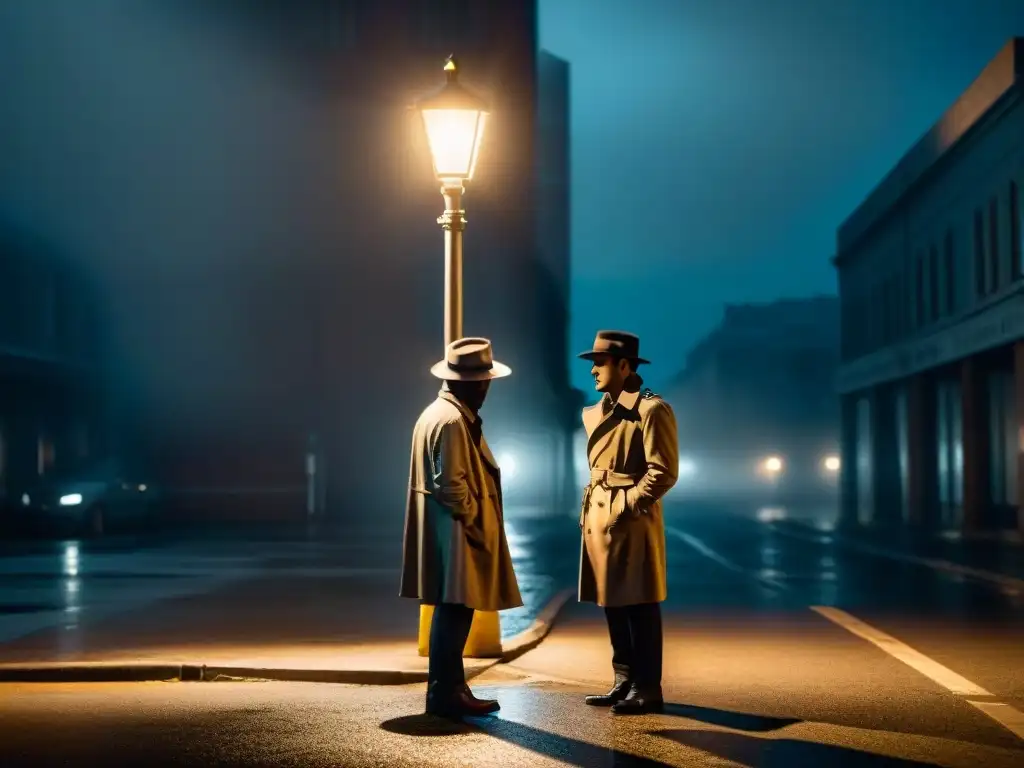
x=452, y=135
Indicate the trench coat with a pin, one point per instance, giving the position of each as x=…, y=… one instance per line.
x=455, y=550
x=633, y=454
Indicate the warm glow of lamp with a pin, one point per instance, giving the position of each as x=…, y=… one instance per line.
x=454, y=120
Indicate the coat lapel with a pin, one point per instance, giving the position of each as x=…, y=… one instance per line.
x=605, y=416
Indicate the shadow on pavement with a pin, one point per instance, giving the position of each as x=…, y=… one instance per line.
x=782, y=753
x=425, y=725
x=739, y=721
x=567, y=750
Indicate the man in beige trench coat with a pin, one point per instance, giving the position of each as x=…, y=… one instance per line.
x=634, y=460
x=456, y=557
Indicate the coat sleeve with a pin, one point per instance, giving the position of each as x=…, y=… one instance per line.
x=450, y=459
x=661, y=448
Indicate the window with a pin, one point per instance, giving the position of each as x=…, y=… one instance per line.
x=993, y=243
x=933, y=282
x=950, y=273
x=919, y=292
x=979, y=253
x=1016, y=245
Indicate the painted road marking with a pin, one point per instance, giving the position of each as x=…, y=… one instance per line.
x=1010, y=584
x=709, y=553
x=944, y=676
x=1008, y=717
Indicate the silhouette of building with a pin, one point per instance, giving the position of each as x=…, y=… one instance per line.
x=51, y=366
x=760, y=385
x=930, y=269
x=263, y=210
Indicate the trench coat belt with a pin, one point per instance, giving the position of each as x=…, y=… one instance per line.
x=608, y=479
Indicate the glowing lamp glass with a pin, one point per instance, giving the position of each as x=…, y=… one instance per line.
x=454, y=137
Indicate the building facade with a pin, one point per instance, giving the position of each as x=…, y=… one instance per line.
x=52, y=415
x=932, y=300
x=759, y=386
x=263, y=212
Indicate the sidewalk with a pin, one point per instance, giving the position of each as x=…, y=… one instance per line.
x=328, y=615
x=992, y=559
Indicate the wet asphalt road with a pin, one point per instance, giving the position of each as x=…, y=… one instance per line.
x=781, y=650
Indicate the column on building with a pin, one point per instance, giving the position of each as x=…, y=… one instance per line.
x=1018, y=437
x=848, y=480
x=864, y=458
x=888, y=495
x=1002, y=446
x=975, y=445
x=922, y=450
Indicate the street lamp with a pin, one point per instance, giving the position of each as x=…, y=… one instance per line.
x=453, y=118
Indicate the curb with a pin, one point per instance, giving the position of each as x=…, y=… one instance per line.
x=98, y=673
x=512, y=649
x=533, y=635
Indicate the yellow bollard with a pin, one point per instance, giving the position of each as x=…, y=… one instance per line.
x=484, y=640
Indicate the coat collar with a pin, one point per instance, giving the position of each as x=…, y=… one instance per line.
x=477, y=422
x=625, y=405
x=445, y=394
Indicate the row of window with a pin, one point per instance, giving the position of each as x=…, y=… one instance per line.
x=931, y=286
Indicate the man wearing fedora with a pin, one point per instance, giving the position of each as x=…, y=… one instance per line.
x=456, y=557
x=634, y=460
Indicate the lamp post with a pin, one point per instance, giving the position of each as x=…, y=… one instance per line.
x=454, y=119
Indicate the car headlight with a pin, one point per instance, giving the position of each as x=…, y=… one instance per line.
x=71, y=499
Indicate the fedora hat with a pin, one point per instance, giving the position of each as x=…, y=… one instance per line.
x=469, y=359
x=615, y=344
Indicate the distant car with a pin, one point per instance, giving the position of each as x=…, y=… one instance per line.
x=90, y=501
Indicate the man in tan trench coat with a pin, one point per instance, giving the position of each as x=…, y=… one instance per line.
x=634, y=460
x=456, y=557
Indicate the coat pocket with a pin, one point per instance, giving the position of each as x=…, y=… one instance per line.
x=616, y=509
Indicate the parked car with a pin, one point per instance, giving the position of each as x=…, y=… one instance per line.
x=89, y=500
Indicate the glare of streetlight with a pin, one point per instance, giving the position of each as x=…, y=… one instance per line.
x=773, y=465
x=831, y=463
x=454, y=120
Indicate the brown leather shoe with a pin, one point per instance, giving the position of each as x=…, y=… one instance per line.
x=620, y=689
x=640, y=702
x=492, y=705
x=460, y=704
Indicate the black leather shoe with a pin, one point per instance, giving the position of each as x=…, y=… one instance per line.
x=620, y=689
x=640, y=703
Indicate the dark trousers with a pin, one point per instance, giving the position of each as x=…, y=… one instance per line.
x=449, y=630
x=635, y=632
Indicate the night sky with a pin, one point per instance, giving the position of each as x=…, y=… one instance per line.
x=717, y=144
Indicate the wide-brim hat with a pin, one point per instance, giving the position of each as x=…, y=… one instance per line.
x=616, y=344
x=469, y=359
